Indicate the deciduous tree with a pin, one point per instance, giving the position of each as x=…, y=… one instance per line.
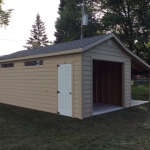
x=130, y=21
x=5, y=15
x=68, y=25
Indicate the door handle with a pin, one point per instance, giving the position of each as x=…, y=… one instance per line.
x=70, y=93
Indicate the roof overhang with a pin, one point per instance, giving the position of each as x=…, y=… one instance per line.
x=145, y=67
x=43, y=55
x=137, y=63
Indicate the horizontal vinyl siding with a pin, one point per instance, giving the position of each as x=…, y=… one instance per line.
x=87, y=84
x=36, y=87
x=106, y=52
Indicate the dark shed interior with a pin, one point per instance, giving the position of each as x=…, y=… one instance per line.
x=107, y=82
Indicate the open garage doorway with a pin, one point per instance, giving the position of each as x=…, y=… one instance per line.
x=107, y=86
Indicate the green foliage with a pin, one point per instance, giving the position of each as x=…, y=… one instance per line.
x=38, y=37
x=68, y=25
x=130, y=20
x=5, y=15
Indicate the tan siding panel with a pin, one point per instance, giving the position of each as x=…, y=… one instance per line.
x=75, y=73
x=76, y=68
x=76, y=92
x=76, y=101
x=76, y=77
x=76, y=106
x=45, y=92
x=36, y=87
x=77, y=115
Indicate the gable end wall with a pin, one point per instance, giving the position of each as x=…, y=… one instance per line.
x=109, y=51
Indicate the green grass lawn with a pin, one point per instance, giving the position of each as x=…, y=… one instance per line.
x=24, y=129
x=127, y=129
x=140, y=92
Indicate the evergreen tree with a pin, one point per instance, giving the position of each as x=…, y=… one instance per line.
x=68, y=25
x=38, y=37
x=5, y=15
x=130, y=20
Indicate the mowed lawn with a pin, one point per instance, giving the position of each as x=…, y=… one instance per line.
x=140, y=92
x=25, y=129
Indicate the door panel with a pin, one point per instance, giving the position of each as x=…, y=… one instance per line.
x=65, y=89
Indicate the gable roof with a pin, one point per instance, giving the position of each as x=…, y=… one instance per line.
x=70, y=47
x=55, y=48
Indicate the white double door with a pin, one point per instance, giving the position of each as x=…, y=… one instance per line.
x=65, y=89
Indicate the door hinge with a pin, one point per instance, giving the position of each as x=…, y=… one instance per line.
x=58, y=113
x=58, y=92
x=58, y=65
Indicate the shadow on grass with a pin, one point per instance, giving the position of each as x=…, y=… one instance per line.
x=120, y=130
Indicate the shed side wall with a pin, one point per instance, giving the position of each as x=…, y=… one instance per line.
x=108, y=51
x=36, y=87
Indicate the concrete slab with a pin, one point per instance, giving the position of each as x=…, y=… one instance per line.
x=101, y=108
x=138, y=102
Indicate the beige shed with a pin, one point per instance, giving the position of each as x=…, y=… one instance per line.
x=74, y=79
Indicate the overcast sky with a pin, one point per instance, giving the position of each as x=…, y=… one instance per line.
x=14, y=37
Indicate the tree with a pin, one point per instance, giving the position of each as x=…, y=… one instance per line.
x=68, y=25
x=38, y=37
x=130, y=21
x=5, y=15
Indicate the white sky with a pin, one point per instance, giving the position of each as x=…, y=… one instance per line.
x=14, y=36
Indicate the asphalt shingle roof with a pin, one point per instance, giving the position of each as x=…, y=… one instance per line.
x=55, y=48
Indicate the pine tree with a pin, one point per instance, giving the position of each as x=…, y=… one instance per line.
x=38, y=37
x=68, y=25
